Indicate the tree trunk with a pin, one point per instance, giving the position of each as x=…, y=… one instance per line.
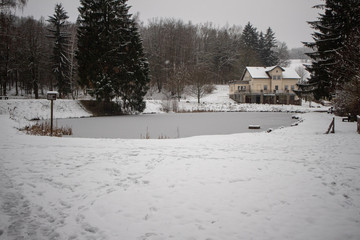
x=35, y=83
x=16, y=83
x=198, y=95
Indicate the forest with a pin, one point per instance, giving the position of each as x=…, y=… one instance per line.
x=178, y=53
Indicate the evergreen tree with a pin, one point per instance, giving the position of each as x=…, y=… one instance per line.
x=261, y=50
x=137, y=70
x=269, y=55
x=266, y=46
x=60, y=59
x=250, y=37
x=333, y=29
x=110, y=54
x=250, y=45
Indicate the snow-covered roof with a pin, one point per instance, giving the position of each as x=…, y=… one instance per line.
x=290, y=73
x=262, y=72
x=257, y=72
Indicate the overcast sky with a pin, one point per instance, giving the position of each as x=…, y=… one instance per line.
x=287, y=18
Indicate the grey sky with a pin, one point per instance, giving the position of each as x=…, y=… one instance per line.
x=287, y=18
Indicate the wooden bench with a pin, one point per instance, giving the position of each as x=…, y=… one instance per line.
x=349, y=119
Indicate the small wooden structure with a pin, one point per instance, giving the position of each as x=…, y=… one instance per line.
x=51, y=95
x=331, y=127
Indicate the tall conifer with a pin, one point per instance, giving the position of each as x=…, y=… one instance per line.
x=110, y=56
x=332, y=31
x=60, y=55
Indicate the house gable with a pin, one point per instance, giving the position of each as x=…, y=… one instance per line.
x=276, y=72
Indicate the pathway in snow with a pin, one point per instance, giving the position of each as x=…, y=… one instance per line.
x=293, y=183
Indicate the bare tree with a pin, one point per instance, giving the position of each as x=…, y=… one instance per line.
x=8, y=4
x=282, y=53
x=177, y=82
x=302, y=74
x=33, y=50
x=199, y=82
x=72, y=60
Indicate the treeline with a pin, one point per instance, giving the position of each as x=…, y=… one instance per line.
x=175, y=48
x=178, y=53
x=27, y=52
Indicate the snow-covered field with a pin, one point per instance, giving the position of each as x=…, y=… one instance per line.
x=292, y=183
x=219, y=101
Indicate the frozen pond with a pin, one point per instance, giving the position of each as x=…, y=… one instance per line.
x=174, y=125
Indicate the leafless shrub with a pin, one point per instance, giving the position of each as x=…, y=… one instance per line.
x=44, y=129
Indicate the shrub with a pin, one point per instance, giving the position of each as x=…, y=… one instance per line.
x=44, y=129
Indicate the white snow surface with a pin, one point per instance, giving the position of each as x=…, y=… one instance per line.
x=219, y=101
x=293, y=183
x=24, y=110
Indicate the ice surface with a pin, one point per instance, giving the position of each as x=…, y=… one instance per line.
x=174, y=125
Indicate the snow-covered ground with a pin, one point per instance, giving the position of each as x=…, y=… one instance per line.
x=219, y=101
x=292, y=183
x=24, y=110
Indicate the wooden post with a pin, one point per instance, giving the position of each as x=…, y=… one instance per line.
x=51, y=95
x=332, y=126
x=358, y=123
x=52, y=111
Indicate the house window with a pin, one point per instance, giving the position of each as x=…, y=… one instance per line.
x=292, y=87
x=265, y=87
x=279, y=77
x=274, y=77
x=276, y=87
x=286, y=87
x=242, y=88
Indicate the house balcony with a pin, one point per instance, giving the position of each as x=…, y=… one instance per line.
x=247, y=91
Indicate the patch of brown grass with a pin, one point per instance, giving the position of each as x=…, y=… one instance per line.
x=44, y=129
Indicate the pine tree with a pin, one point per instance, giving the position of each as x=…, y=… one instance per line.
x=250, y=37
x=270, y=58
x=250, y=45
x=333, y=29
x=110, y=53
x=266, y=46
x=60, y=59
x=136, y=85
x=91, y=48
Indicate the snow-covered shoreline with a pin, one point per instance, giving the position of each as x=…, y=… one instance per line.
x=24, y=110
